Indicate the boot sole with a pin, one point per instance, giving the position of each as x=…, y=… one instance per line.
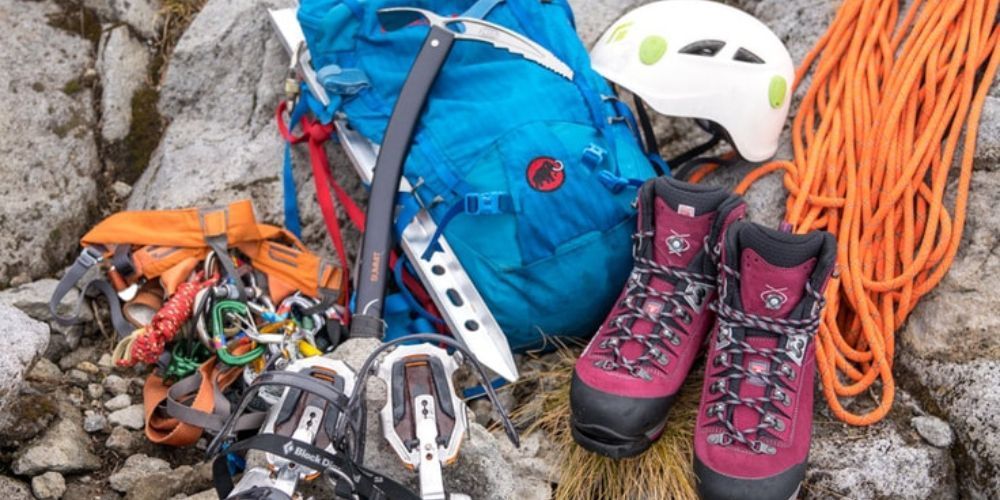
x=620, y=447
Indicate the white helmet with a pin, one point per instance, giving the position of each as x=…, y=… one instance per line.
x=701, y=59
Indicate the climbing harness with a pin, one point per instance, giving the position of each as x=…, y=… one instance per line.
x=192, y=293
x=892, y=96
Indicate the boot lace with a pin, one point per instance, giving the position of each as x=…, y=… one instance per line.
x=798, y=333
x=665, y=337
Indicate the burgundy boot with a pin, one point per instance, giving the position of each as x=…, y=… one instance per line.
x=754, y=423
x=629, y=374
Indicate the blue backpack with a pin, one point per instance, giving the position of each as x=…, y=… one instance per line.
x=528, y=173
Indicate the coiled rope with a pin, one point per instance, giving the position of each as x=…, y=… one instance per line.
x=889, y=102
x=146, y=344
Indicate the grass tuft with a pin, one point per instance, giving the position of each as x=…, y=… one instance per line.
x=663, y=471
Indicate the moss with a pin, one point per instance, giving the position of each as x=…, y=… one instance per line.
x=74, y=18
x=38, y=87
x=73, y=86
x=131, y=155
x=31, y=415
x=63, y=129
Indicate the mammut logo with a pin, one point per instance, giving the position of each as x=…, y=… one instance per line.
x=774, y=298
x=546, y=174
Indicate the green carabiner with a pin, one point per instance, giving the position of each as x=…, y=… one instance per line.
x=218, y=335
x=185, y=358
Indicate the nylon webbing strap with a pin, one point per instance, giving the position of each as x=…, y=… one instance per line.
x=89, y=257
x=214, y=225
x=184, y=389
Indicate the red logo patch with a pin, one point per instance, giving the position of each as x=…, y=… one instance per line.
x=545, y=174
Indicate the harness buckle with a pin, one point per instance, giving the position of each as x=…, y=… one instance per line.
x=89, y=257
x=484, y=203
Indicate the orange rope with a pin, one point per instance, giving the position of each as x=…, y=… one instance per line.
x=874, y=141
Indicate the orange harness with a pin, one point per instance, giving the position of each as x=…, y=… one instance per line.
x=875, y=139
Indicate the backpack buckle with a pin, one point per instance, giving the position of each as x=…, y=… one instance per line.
x=593, y=155
x=484, y=203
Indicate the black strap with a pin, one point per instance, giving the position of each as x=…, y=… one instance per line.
x=648, y=135
x=220, y=245
x=360, y=481
x=88, y=258
x=122, y=260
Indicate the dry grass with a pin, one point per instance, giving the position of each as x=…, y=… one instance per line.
x=664, y=471
x=177, y=15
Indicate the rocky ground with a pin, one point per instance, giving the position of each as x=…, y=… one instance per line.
x=105, y=107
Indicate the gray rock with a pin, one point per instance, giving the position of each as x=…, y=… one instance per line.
x=944, y=327
x=121, y=190
x=48, y=157
x=886, y=460
x=22, y=342
x=33, y=299
x=123, y=65
x=12, y=489
x=136, y=469
x=65, y=448
x=764, y=200
x=143, y=15
x=116, y=385
x=106, y=362
x=965, y=393
x=988, y=140
x=48, y=485
x=78, y=377
x=132, y=417
x=77, y=356
x=45, y=372
x=218, y=95
x=94, y=422
x=118, y=402
x=934, y=430
x=95, y=391
x=204, y=495
x=121, y=440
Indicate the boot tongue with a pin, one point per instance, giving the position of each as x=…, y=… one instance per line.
x=679, y=233
x=771, y=290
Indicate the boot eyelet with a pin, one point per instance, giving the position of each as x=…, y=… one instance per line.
x=722, y=359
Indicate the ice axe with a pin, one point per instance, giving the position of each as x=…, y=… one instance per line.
x=444, y=31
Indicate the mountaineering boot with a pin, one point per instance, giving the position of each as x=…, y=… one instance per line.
x=753, y=429
x=627, y=377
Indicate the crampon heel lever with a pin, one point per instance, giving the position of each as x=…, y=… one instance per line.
x=424, y=420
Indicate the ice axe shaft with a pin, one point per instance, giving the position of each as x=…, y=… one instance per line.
x=367, y=321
